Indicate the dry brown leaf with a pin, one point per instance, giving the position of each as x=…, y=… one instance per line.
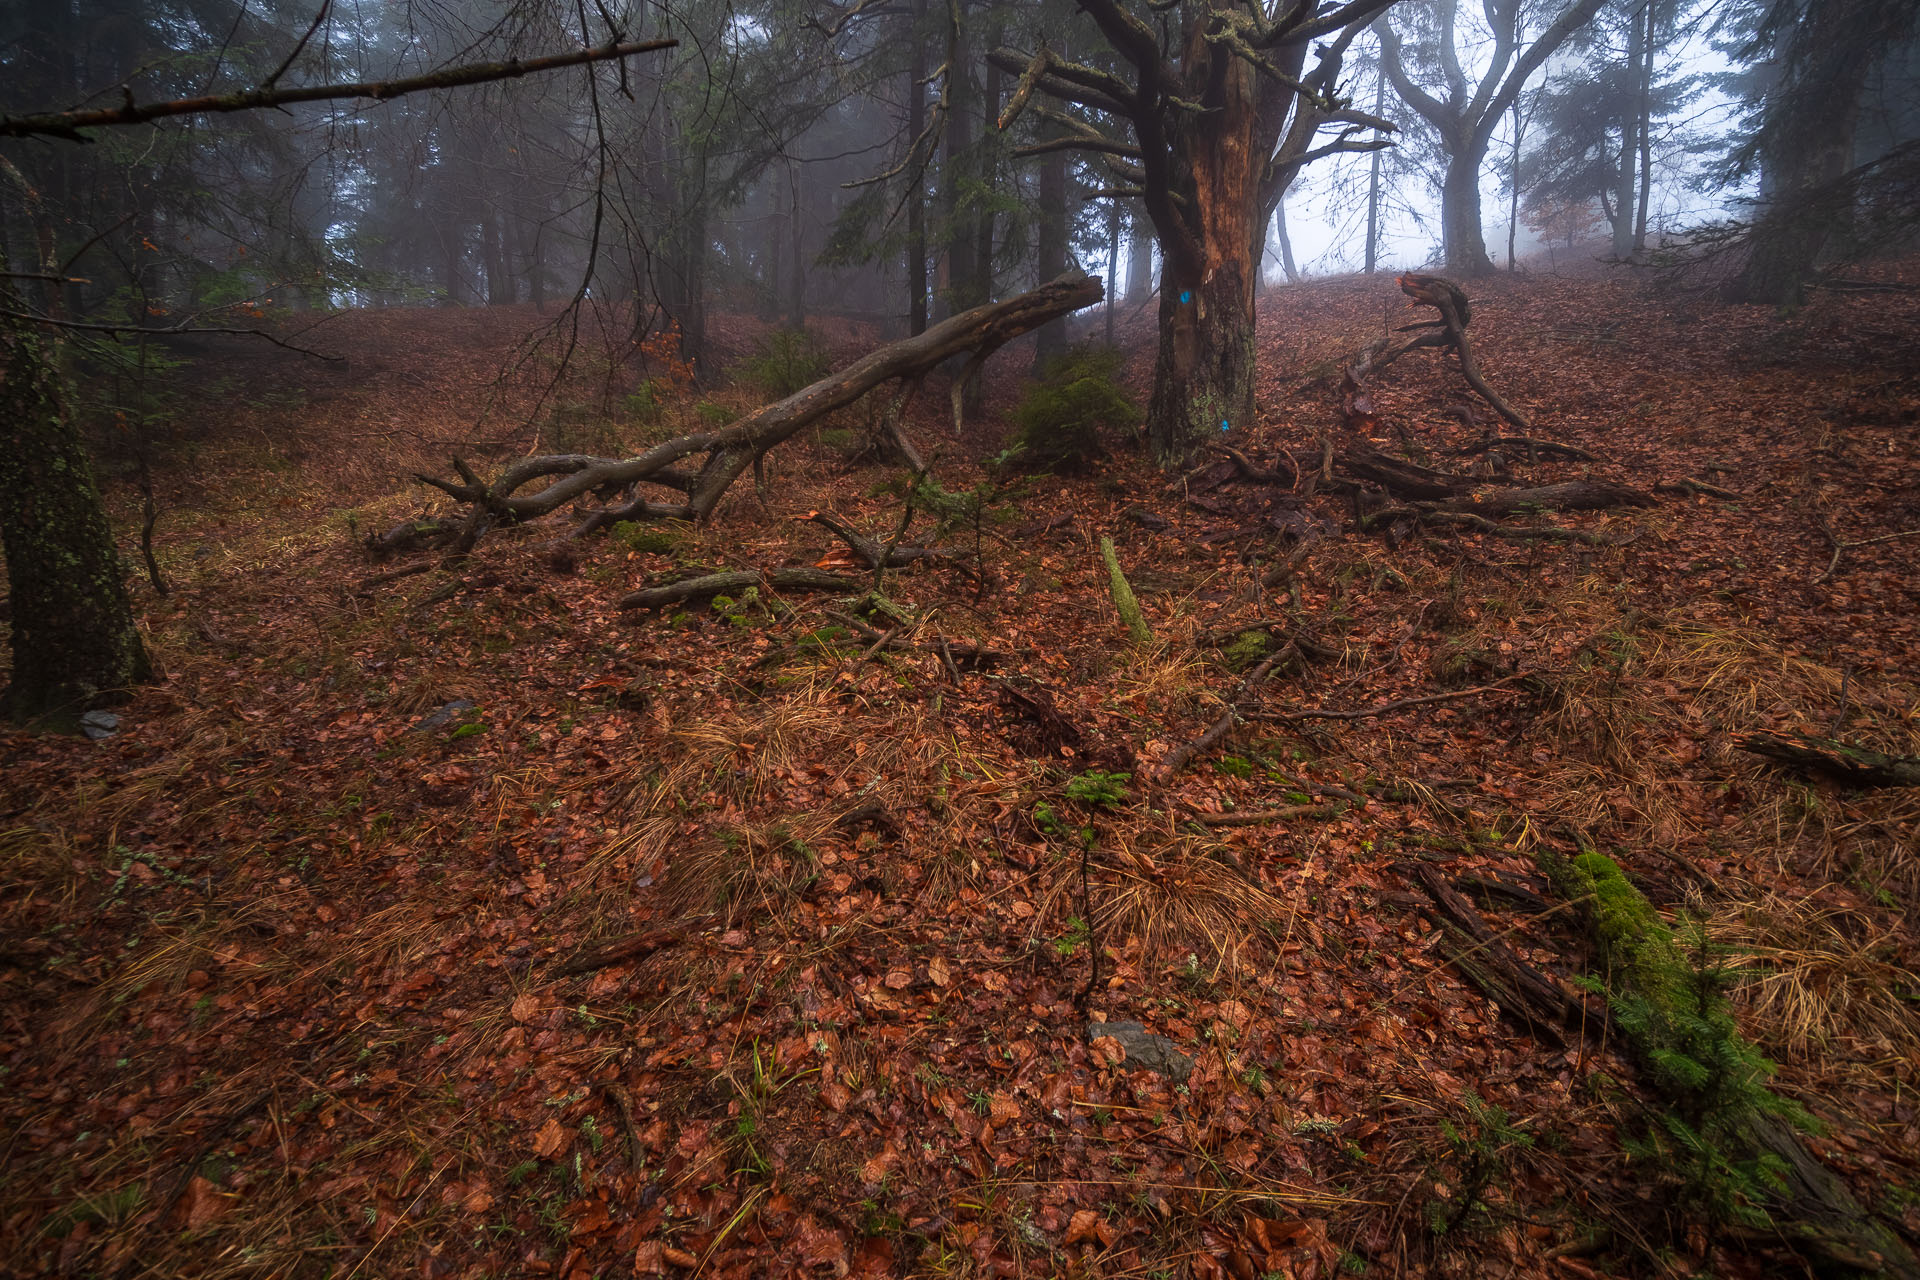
x=552, y=1137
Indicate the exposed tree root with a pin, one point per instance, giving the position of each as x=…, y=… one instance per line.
x=1450, y=331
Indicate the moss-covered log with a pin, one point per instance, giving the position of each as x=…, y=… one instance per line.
x=75, y=644
x=1731, y=1139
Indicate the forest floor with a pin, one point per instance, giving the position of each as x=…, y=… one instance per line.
x=287, y=957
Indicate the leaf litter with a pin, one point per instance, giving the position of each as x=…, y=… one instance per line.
x=715, y=944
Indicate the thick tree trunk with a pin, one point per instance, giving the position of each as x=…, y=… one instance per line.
x=75, y=645
x=1203, y=379
x=1460, y=230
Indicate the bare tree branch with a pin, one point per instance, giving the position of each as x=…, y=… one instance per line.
x=67, y=124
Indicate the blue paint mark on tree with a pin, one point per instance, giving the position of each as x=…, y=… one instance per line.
x=1186, y=297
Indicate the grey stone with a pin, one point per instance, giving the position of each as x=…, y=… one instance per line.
x=445, y=715
x=99, y=724
x=1145, y=1049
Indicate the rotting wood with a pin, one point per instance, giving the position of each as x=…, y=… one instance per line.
x=726, y=454
x=1808, y=1206
x=1471, y=946
x=1849, y=765
x=1260, y=817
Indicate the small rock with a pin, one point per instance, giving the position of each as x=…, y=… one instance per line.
x=99, y=724
x=1145, y=1049
x=445, y=715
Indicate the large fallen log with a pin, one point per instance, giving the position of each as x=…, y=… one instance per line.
x=1725, y=1134
x=725, y=454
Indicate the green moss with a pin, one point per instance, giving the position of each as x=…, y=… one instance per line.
x=643, y=538
x=1246, y=649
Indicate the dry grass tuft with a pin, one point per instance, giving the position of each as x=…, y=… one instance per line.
x=1825, y=985
x=1181, y=899
x=738, y=871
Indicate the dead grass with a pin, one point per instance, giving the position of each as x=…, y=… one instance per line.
x=1826, y=987
x=1183, y=898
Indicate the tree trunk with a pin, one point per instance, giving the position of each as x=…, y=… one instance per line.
x=797, y=230
x=1513, y=194
x=1624, y=183
x=1286, y=243
x=916, y=199
x=1644, y=124
x=1113, y=264
x=75, y=645
x=1139, y=257
x=954, y=205
x=1373, y=178
x=1203, y=379
x=1050, y=251
x=1460, y=231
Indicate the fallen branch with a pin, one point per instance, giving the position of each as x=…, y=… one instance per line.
x=872, y=552
x=1259, y=817
x=1523, y=993
x=1851, y=766
x=1691, y=488
x=1177, y=759
x=721, y=584
x=1387, y=708
x=1839, y=546
x=726, y=454
x=1534, y=448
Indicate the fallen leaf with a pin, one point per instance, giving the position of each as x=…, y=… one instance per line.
x=548, y=1142
x=526, y=1007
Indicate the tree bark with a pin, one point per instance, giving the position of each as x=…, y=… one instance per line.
x=75, y=645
